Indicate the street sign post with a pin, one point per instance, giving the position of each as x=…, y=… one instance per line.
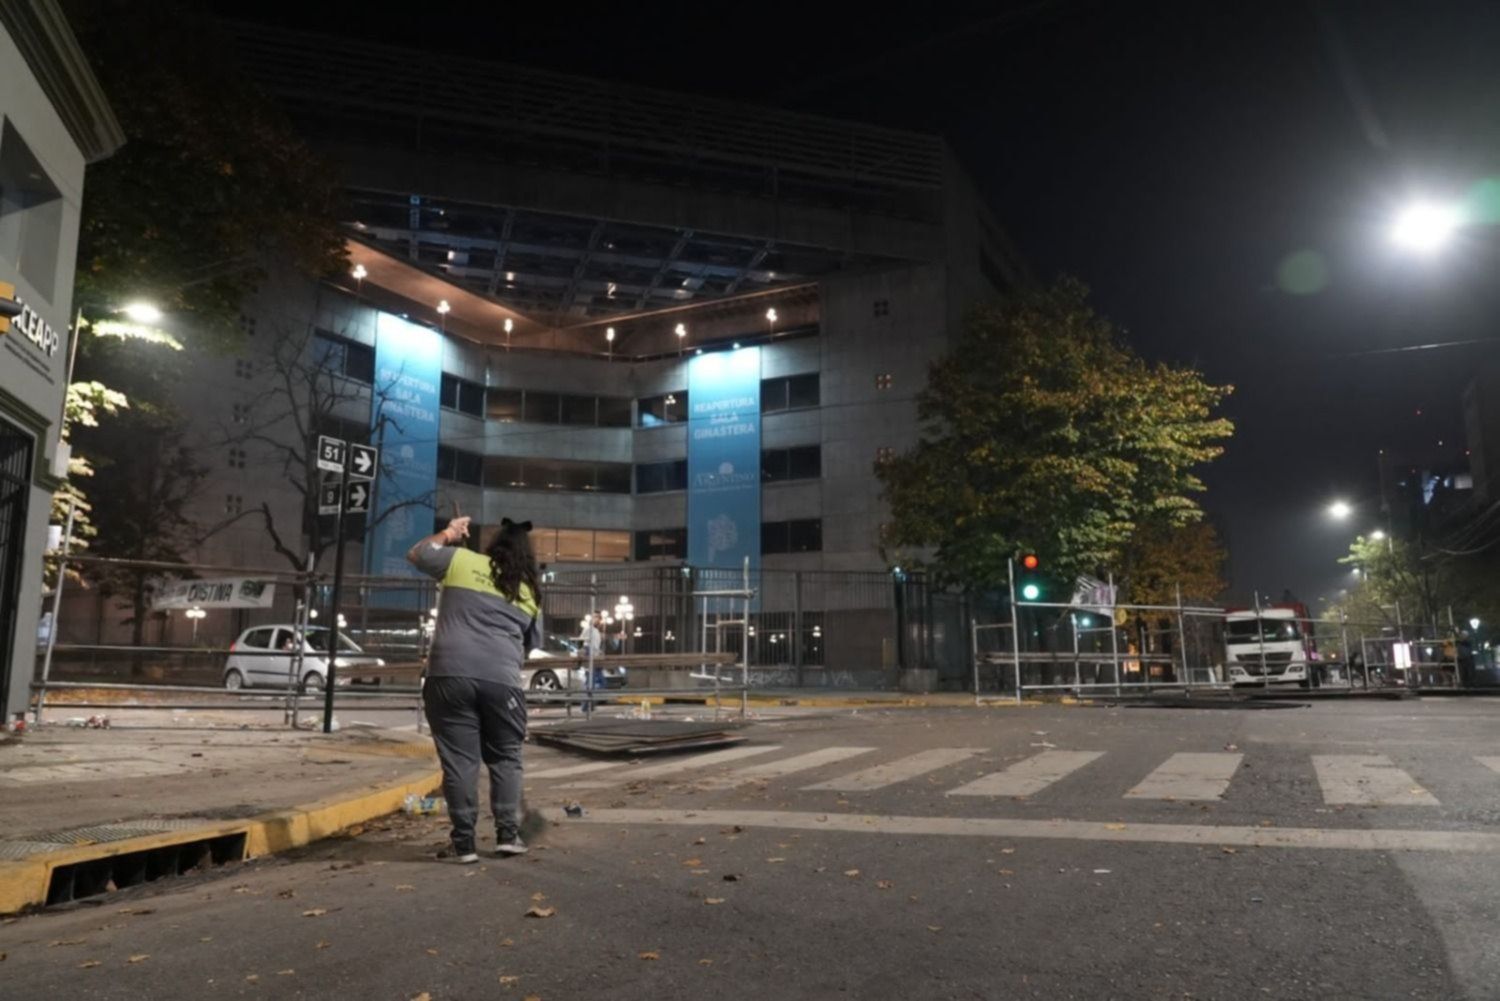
x=364, y=461
x=331, y=452
x=328, y=497
x=357, y=500
x=356, y=466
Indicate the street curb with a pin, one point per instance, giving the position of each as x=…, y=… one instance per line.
x=23, y=883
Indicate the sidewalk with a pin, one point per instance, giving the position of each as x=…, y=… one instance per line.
x=71, y=797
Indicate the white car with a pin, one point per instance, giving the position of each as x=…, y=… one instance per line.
x=541, y=678
x=263, y=656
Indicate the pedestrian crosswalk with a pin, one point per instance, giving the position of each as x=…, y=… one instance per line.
x=1186, y=776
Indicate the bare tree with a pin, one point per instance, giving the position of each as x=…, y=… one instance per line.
x=315, y=389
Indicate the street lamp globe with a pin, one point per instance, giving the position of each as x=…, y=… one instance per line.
x=142, y=312
x=1378, y=535
x=1474, y=622
x=1340, y=509
x=1424, y=227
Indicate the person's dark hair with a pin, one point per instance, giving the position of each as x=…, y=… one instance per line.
x=512, y=562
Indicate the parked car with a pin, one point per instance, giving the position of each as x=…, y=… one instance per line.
x=541, y=678
x=263, y=655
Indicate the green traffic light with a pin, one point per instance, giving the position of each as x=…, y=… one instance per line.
x=1031, y=592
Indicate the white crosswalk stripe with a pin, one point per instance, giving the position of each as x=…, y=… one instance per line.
x=788, y=766
x=1189, y=775
x=1493, y=764
x=1367, y=780
x=901, y=770
x=678, y=765
x=1028, y=777
x=566, y=770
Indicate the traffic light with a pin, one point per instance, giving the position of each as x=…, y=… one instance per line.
x=1031, y=587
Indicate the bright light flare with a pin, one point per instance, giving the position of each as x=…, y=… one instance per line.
x=1424, y=227
x=1340, y=510
x=142, y=312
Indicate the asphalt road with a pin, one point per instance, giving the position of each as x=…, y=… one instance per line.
x=1335, y=851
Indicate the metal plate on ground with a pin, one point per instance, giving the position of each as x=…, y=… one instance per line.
x=636, y=737
x=37, y=844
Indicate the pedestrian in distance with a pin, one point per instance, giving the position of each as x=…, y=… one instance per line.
x=488, y=621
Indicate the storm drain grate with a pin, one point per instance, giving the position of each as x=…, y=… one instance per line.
x=116, y=872
x=117, y=831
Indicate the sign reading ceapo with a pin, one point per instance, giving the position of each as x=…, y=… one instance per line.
x=16, y=315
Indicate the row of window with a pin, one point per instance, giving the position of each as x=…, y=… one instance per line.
x=537, y=407
x=599, y=545
x=800, y=535
x=777, y=465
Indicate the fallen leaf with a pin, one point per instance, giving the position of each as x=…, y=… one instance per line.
x=692, y=863
x=316, y=912
x=88, y=964
x=884, y=884
x=705, y=962
x=532, y=997
x=287, y=894
x=139, y=958
x=773, y=861
x=1228, y=851
x=700, y=841
x=541, y=912
x=851, y=873
x=138, y=910
x=651, y=956
x=324, y=944
x=731, y=877
x=698, y=872
x=286, y=973
x=1114, y=827
x=1101, y=872
x=1007, y=872
x=1007, y=851
x=507, y=942
x=404, y=887
x=252, y=978
x=509, y=981
x=538, y=897
x=64, y=941
x=934, y=928
x=432, y=952
x=713, y=900
x=206, y=938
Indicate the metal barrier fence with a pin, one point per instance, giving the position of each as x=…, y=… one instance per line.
x=1122, y=649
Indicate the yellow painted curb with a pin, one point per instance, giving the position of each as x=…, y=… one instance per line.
x=23, y=883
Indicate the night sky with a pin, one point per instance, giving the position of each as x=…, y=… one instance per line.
x=1172, y=155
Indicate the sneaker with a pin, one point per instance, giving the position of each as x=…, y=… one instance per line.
x=510, y=845
x=462, y=854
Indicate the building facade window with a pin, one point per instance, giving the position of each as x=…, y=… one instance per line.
x=802, y=535
x=660, y=477
x=233, y=503
x=791, y=392
x=236, y=458
x=459, y=466
x=31, y=214
x=883, y=381
x=244, y=368
x=882, y=307
x=661, y=544
x=504, y=472
x=580, y=545
x=462, y=395
x=539, y=407
x=660, y=411
x=247, y=325
x=803, y=462
x=884, y=454
x=341, y=356
x=239, y=413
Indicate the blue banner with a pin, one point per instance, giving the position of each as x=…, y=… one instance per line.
x=408, y=378
x=723, y=462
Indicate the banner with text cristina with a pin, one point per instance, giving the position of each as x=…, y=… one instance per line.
x=408, y=377
x=723, y=462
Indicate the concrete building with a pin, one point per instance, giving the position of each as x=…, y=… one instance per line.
x=54, y=120
x=1481, y=402
x=601, y=256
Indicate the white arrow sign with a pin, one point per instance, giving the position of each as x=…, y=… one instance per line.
x=363, y=462
x=358, y=499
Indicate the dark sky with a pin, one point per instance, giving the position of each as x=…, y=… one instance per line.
x=1173, y=155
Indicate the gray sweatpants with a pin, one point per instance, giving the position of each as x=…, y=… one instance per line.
x=474, y=721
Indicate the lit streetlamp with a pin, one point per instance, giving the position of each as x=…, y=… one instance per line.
x=509, y=326
x=681, y=332
x=1425, y=227
x=625, y=615
x=609, y=339
x=1340, y=510
x=443, y=309
x=195, y=615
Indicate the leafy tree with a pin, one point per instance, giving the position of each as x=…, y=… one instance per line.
x=211, y=181
x=1043, y=430
x=1425, y=581
x=1161, y=557
x=85, y=403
